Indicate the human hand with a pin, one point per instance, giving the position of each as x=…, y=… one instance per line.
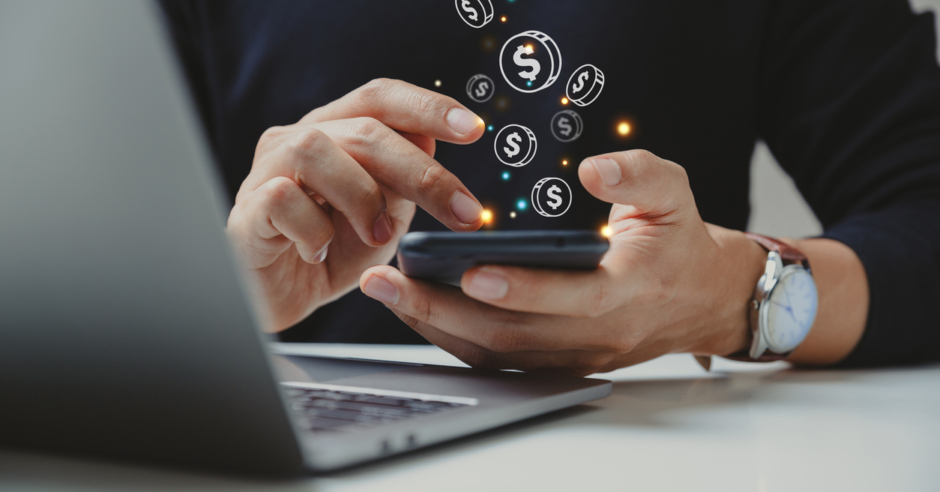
x=344, y=180
x=669, y=283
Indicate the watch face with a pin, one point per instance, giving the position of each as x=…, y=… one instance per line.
x=791, y=309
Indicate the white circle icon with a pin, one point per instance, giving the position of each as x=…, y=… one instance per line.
x=480, y=88
x=515, y=145
x=567, y=126
x=530, y=61
x=585, y=85
x=476, y=13
x=551, y=197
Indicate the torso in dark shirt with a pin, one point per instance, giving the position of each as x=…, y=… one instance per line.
x=698, y=83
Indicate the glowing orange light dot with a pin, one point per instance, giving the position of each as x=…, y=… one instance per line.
x=605, y=231
x=487, y=216
x=564, y=100
x=503, y=18
x=528, y=47
x=564, y=162
x=623, y=128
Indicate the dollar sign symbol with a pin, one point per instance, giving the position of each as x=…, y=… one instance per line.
x=553, y=193
x=482, y=88
x=580, y=83
x=513, y=140
x=565, y=126
x=471, y=12
x=527, y=62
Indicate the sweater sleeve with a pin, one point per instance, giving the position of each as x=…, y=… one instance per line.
x=850, y=107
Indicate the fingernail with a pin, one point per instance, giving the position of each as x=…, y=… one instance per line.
x=380, y=289
x=321, y=255
x=382, y=229
x=488, y=285
x=462, y=121
x=608, y=170
x=465, y=208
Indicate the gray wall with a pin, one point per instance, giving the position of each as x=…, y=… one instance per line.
x=777, y=209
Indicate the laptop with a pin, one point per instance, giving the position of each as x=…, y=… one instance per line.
x=127, y=329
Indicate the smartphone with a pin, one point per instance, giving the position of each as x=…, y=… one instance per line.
x=444, y=256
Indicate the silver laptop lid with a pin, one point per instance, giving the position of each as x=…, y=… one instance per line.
x=125, y=329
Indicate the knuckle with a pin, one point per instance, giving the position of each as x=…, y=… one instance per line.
x=279, y=192
x=270, y=138
x=308, y=141
x=642, y=155
x=273, y=133
x=638, y=165
x=371, y=196
x=599, y=300
x=371, y=91
x=423, y=309
x=620, y=345
x=431, y=178
x=424, y=102
x=367, y=130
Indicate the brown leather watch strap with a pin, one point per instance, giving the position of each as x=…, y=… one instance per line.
x=786, y=252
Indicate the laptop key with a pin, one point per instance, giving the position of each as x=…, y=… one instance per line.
x=326, y=410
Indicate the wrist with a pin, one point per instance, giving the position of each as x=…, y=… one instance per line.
x=739, y=264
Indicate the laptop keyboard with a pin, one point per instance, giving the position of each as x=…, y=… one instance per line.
x=329, y=408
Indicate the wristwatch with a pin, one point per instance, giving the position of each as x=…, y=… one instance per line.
x=783, y=307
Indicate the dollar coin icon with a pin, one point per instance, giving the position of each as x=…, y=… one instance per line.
x=480, y=88
x=551, y=197
x=530, y=61
x=567, y=126
x=515, y=145
x=476, y=13
x=585, y=85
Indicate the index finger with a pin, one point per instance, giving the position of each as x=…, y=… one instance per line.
x=407, y=108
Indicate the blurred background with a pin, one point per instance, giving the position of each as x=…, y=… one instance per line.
x=777, y=209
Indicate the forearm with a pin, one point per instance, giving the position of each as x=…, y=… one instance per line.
x=843, y=302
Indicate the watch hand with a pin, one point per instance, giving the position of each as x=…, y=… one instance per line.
x=790, y=306
x=789, y=302
x=789, y=310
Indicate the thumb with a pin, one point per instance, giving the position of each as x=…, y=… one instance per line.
x=639, y=179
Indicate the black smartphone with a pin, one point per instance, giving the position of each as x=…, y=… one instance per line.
x=444, y=256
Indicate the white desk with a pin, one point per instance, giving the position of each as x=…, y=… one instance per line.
x=667, y=426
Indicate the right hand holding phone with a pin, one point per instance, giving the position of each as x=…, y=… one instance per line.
x=331, y=195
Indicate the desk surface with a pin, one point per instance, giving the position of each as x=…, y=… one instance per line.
x=667, y=426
